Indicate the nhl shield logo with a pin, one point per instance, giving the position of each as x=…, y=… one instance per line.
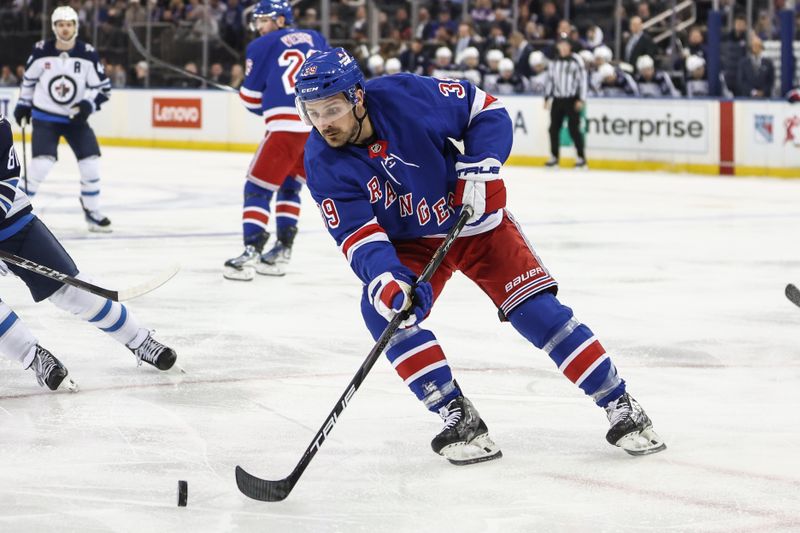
x=62, y=89
x=763, y=127
x=310, y=70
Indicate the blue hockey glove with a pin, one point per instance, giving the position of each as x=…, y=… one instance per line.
x=391, y=292
x=22, y=113
x=81, y=111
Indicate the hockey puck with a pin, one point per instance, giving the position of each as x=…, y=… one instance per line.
x=183, y=493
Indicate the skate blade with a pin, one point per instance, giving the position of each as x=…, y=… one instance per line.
x=478, y=450
x=246, y=273
x=275, y=269
x=645, y=442
x=68, y=384
x=99, y=229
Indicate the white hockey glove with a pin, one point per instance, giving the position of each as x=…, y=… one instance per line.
x=391, y=293
x=479, y=185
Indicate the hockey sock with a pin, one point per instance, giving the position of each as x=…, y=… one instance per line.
x=16, y=340
x=287, y=205
x=89, y=169
x=38, y=171
x=255, y=214
x=551, y=326
x=107, y=315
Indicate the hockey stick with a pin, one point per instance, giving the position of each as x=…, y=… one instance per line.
x=152, y=59
x=793, y=293
x=24, y=156
x=117, y=296
x=273, y=491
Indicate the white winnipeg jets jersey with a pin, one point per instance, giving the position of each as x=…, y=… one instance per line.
x=56, y=80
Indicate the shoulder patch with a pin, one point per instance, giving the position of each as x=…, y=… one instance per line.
x=89, y=47
x=39, y=45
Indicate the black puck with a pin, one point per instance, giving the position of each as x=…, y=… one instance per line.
x=183, y=493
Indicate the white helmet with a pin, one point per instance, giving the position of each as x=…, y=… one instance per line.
x=694, y=62
x=536, y=58
x=494, y=55
x=444, y=52
x=393, y=66
x=375, y=63
x=506, y=65
x=603, y=52
x=64, y=13
x=587, y=56
x=606, y=70
x=644, y=62
x=470, y=53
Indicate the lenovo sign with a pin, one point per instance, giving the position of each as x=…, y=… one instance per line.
x=177, y=113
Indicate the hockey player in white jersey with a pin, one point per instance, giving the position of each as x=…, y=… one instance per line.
x=538, y=81
x=23, y=234
x=64, y=83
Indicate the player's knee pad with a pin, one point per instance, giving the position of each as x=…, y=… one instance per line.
x=39, y=169
x=540, y=318
x=16, y=340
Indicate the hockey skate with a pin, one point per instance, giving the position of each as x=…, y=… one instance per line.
x=275, y=261
x=50, y=371
x=631, y=428
x=580, y=164
x=96, y=221
x=551, y=163
x=242, y=268
x=154, y=353
x=465, y=438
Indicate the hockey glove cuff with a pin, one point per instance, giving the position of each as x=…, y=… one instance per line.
x=22, y=113
x=479, y=185
x=391, y=293
x=81, y=111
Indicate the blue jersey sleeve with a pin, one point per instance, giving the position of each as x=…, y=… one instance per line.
x=255, y=77
x=348, y=215
x=9, y=166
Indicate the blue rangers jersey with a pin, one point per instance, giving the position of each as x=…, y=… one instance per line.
x=273, y=61
x=56, y=80
x=402, y=185
x=15, y=208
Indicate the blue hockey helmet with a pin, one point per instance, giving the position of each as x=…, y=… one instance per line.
x=274, y=9
x=329, y=73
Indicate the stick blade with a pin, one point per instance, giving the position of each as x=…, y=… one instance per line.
x=793, y=293
x=149, y=285
x=262, y=489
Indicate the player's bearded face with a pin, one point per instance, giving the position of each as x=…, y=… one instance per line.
x=333, y=118
x=65, y=29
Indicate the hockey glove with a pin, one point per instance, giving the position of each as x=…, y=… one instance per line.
x=479, y=184
x=391, y=293
x=81, y=111
x=22, y=113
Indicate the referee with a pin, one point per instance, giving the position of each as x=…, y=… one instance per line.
x=566, y=86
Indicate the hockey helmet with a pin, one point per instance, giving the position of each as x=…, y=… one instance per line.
x=375, y=63
x=274, y=9
x=694, y=62
x=644, y=62
x=327, y=74
x=603, y=53
x=506, y=65
x=393, y=66
x=536, y=58
x=64, y=13
x=494, y=55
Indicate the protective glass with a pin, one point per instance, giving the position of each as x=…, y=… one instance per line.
x=319, y=113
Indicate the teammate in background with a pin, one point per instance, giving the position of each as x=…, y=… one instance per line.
x=538, y=81
x=23, y=234
x=615, y=82
x=652, y=82
x=273, y=60
x=565, y=96
x=64, y=83
x=696, y=80
x=390, y=188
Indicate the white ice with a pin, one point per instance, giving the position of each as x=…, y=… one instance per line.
x=681, y=277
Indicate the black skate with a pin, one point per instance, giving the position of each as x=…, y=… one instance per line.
x=96, y=221
x=50, y=371
x=242, y=268
x=580, y=164
x=465, y=437
x=275, y=261
x=631, y=428
x=552, y=163
x=154, y=353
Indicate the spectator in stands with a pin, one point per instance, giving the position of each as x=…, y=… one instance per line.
x=231, y=27
x=643, y=11
x=119, y=77
x=755, y=76
x=696, y=81
x=217, y=74
x=519, y=50
x=413, y=59
x=237, y=76
x=482, y=16
x=651, y=82
x=501, y=21
x=696, y=44
x=508, y=82
x=470, y=64
x=375, y=66
x=443, y=20
x=496, y=37
x=639, y=43
x=423, y=19
x=537, y=82
x=19, y=72
x=550, y=20
x=393, y=66
x=466, y=38
x=739, y=32
x=360, y=23
x=139, y=74
x=402, y=23
x=135, y=14
x=7, y=78
x=613, y=81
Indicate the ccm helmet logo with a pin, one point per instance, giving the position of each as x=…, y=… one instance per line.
x=469, y=171
x=309, y=90
x=178, y=113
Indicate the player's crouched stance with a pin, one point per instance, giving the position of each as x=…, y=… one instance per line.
x=388, y=187
x=23, y=234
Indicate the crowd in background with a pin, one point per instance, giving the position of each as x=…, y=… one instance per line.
x=484, y=46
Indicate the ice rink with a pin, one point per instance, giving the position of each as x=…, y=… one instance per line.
x=681, y=277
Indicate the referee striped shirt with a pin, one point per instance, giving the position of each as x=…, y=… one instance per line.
x=567, y=78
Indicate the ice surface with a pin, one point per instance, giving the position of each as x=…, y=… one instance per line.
x=681, y=277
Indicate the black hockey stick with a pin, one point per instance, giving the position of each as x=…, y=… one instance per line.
x=274, y=491
x=117, y=296
x=793, y=293
x=24, y=156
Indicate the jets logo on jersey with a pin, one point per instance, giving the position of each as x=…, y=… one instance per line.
x=62, y=89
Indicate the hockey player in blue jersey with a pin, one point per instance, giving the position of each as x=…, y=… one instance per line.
x=273, y=60
x=64, y=83
x=23, y=234
x=389, y=183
